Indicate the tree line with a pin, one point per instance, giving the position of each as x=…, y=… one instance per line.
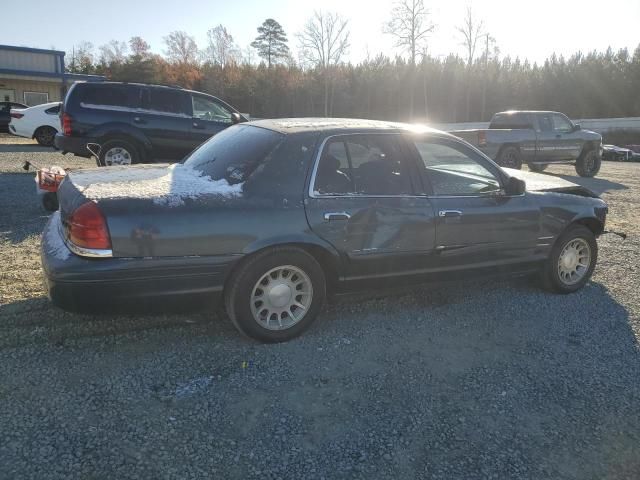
x=267, y=80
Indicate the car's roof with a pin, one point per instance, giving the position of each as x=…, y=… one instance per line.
x=511, y=112
x=340, y=125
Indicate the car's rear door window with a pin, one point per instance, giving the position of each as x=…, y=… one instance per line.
x=53, y=110
x=110, y=96
x=167, y=101
x=235, y=153
x=363, y=164
x=454, y=170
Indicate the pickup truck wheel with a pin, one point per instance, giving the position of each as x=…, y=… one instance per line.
x=537, y=167
x=276, y=295
x=117, y=152
x=510, y=158
x=588, y=165
x=572, y=261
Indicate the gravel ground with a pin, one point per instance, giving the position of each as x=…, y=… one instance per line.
x=487, y=380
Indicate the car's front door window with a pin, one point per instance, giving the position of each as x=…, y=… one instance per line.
x=207, y=109
x=561, y=124
x=453, y=171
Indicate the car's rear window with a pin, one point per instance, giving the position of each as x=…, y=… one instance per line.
x=510, y=121
x=234, y=153
x=109, y=96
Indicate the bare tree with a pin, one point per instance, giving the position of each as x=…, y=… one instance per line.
x=181, y=48
x=113, y=52
x=471, y=31
x=410, y=26
x=221, y=50
x=139, y=47
x=82, y=58
x=323, y=42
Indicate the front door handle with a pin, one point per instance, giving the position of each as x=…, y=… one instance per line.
x=558, y=136
x=139, y=120
x=449, y=213
x=198, y=125
x=336, y=216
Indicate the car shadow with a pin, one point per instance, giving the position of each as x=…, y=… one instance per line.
x=596, y=184
x=21, y=211
x=24, y=148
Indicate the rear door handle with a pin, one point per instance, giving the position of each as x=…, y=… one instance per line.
x=139, y=120
x=558, y=136
x=336, y=216
x=449, y=213
x=198, y=125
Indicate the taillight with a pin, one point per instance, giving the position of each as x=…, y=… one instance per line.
x=482, y=139
x=16, y=115
x=87, y=228
x=66, y=124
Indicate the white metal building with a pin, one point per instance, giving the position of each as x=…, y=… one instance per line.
x=33, y=76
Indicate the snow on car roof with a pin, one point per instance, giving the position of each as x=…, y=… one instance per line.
x=293, y=125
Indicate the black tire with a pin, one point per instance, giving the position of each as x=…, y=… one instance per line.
x=128, y=150
x=50, y=201
x=538, y=167
x=510, y=157
x=45, y=136
x=588, y=165
x=240, y=289
x=551, y=278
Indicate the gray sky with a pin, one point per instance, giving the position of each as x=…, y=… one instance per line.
x=529, y=29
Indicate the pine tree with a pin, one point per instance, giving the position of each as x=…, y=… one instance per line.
x=271, y=42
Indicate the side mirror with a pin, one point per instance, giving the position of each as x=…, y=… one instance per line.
x=515, y=186
x=576, y=127
x=235, y=118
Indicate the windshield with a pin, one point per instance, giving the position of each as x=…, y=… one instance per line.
x=234, y=153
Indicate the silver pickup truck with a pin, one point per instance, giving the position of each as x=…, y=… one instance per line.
x=537, y=139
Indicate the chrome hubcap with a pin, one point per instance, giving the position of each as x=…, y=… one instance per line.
x=281, y=298
x=574, y=261
x=117, y=156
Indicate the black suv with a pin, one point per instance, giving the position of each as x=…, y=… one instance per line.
x=136, y=123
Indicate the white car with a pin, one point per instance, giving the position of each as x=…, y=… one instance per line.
x=40, y=122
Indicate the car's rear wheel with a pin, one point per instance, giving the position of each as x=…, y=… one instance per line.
x=45, y=136
x=276, y=295
x=588, y=165
x=510, y=157
x=117, y=152
x=572, y=260
x=537, y=167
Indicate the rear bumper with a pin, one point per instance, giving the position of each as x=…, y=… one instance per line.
x=128, y=284
x=75, y=145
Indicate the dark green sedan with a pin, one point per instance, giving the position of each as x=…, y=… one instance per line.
x=274, y=215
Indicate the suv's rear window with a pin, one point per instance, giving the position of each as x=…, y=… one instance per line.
x=234, y=153
x=510, y=121
x=109, y=95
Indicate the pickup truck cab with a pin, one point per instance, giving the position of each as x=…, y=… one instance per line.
x=537, y=138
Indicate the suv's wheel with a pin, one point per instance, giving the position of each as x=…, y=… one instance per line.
x=117, y=152
x=588, y=164
x=45, y=136
x=276, y=295
x=572, y=260
x=537, y=167
x=510, y=157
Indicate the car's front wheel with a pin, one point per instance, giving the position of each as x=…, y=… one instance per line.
x=588, y=165
x=572, y=260
x=276, y=295
x=45, y=136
